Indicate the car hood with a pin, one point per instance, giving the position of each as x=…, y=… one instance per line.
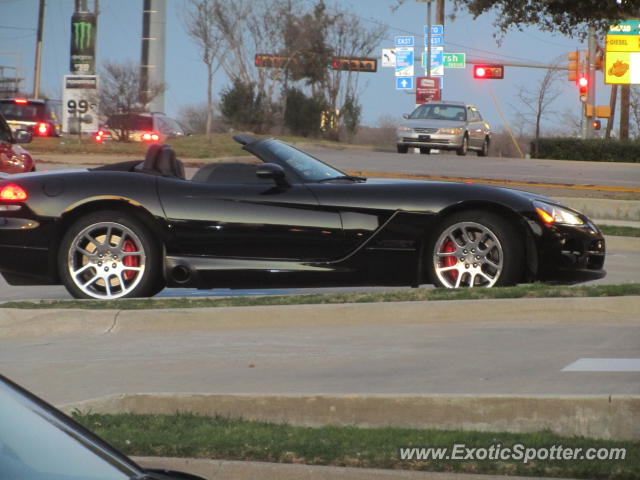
x=427, y=123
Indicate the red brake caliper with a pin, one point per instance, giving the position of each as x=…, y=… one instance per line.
x=450, y=261
x=130, y=260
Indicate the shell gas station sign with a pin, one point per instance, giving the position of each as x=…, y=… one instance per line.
x=622, y=62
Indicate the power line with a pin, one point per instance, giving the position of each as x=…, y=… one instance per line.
x=17, y=28
x=402, y=30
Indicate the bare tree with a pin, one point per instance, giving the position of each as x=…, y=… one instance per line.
x=199, y=20
x=348, y=37
x=538, y=100
x=121, y=94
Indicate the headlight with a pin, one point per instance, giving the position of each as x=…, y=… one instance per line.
x=554, y=214
x=405, y=129
x=450, y=131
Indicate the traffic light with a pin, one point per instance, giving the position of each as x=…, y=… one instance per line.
x=573, y=66
x=489, y=72
x=354, y=64
x=583, y=86
x=271, y=61
x=596, y=124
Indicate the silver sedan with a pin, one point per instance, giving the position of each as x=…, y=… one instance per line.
x=444, y=126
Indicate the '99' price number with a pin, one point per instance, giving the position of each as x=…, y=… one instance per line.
x=78, y=107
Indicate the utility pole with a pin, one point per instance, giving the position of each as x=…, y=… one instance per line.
x=440, y=12
x=36, y=71
x=429, y=38
x=612, y=105
x=625, y=94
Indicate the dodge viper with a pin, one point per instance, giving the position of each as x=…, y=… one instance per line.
x=284, y=219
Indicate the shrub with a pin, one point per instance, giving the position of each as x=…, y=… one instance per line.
x=590, y=150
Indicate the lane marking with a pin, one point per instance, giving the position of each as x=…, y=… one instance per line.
x=410, y=176
x=604, y=365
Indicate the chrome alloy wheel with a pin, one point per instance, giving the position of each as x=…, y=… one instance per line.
x=468, y=254
x=106, y=260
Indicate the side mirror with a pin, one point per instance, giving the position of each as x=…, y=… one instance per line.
x=274, y=172
x=22, y=136
x=405, y=116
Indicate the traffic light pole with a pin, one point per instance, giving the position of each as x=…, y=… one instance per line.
x=591, y=92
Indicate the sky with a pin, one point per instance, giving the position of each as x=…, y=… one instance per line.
x=120, y=26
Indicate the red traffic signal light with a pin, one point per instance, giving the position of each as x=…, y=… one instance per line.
x=583, y=87
x=494, y=72
x=596, y=124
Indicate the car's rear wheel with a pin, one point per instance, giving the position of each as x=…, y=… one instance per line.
x=425, y=150
x=476, y=249
x=402, y=148
x=464, y=147
x=110, y=254
x=485, y=148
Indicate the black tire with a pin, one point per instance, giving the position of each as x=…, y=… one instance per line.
x=425, y=150
x=402, y=148
x=484, y=152
x=464, y=148
x=97, y=247
x=491, y=240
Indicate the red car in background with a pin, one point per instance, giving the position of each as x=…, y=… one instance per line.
x=14, y=158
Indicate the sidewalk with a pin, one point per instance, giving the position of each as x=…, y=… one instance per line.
x=234, y=470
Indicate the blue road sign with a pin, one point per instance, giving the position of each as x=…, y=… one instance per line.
x=404, y=62
x=435, y=30
x=404, y=41
x=436, y=40
x=404, y=83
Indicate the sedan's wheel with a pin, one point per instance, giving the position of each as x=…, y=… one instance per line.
x=476, y=249
x=485, y=148
x=464, y=147
x=425, y=150
x=402, y=148
x=109, y=255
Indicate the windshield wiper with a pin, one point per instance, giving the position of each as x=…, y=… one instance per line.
x=353, y=178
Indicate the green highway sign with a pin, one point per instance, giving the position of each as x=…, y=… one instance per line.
x=455, y=60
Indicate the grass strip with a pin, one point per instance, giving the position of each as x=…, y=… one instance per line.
x=193, y=146
x=197, y=436
x=536, y=290
x=620, y=231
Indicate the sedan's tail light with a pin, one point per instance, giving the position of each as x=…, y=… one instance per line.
x=13, y=193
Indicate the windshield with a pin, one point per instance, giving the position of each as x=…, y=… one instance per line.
x=27, y=112
x=307, y=167
x=439, y=112
x=35, y=446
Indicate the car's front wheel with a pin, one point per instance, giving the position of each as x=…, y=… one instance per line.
x=464, y=147
x=425, y=150
x=475, y=249
x=110, y=254
x=484, y=152
x=402, y=148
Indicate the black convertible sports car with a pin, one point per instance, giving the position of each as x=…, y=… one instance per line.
x=283, y=220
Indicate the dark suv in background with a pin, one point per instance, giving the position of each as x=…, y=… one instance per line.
x=36, y=116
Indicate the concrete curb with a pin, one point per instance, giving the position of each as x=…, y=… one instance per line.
x=597, y=416
x=233, y=470
x=16, y=323
x=603, y=208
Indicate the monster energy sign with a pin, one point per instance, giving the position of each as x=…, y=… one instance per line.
x=83, y=43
